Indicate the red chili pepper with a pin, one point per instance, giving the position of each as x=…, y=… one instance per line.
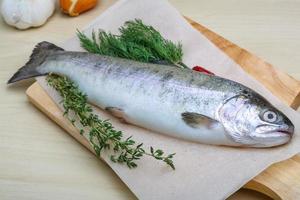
x=202, y=70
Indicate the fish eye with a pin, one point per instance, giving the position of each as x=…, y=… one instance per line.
x=270, y=116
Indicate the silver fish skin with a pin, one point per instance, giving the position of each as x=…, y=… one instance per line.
x=166, y=99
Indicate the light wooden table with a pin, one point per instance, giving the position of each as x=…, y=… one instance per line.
x=38, y=160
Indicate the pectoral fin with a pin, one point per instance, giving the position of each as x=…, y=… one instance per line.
x=197, y=120
x=117, y=112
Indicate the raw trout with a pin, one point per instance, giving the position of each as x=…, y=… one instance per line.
x=178, y=102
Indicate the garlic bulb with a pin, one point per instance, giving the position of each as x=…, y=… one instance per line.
x=26, y=13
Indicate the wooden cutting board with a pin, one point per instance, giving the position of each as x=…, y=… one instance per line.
x=279, y=181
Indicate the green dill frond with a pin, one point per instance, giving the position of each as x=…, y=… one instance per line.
x=149, y=38
x=88, y=44
x=136, y=41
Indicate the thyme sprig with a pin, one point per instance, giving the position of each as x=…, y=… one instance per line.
x=136, y=41
x=102, y=134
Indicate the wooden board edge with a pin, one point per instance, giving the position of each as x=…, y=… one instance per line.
x=281, y=180
x=260, y=187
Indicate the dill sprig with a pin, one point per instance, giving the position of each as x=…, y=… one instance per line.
x=136, y=41
x=102, y=135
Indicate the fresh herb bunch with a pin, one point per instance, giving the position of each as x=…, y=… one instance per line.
x=137, y=41
x=102, y=135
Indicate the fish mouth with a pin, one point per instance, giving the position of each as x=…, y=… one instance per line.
x=266, y=131
x=278, y=133
x=275, y=134
x=285, y=132
x=272, y=138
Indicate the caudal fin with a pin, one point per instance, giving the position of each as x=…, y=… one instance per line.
x=38, y=56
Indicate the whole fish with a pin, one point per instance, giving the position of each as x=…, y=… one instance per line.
x=178, y=102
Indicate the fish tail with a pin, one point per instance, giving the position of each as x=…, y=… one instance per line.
x=41, y=51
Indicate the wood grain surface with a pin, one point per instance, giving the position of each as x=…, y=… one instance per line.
x=39, y=161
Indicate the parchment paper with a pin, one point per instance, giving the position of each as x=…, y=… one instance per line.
x=202, y=171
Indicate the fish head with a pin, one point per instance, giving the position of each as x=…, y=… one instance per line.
x=250, y=120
